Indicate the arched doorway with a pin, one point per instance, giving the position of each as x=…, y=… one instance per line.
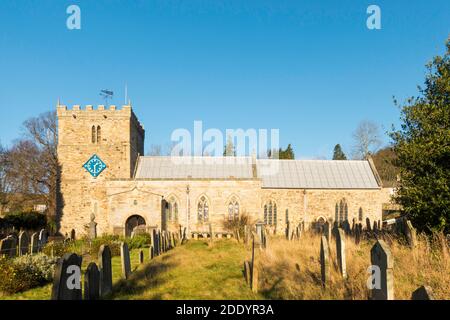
x=133, y=222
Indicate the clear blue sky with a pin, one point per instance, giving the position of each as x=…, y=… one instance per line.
x=310, y=68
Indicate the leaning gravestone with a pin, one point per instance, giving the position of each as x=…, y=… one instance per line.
x=151, y=252
x=368, y=227
x=340, y=252
x=34, y=243
x=423, y=293
x=410, y=234
x=67, y=278
x=105, y=268
x=92, y=282
x=381, y=256
x=324, y=261
x=141, y=256
x=24, y=243
x=125, y=259
x=288, y=230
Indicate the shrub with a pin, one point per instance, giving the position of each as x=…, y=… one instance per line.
x=25, y=272
x=26, y=220
x=139, y=241
x=237, y=225
x=112, y=241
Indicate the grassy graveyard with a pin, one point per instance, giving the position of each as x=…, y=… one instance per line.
x=288, y=270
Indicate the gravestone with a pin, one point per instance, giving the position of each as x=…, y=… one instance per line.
x=72, y=235
x=368, y=227
x=211, y=232
x=43, y=238
x=105, y=268
x=92, y=228
x=327, y=231
x=34, y=243
x=151, y=252
x=340, y=252
x=92, y=282
x=247, y=272
x=423, y=293
x=410, y=234
x=67, y=278
x=288, y=230
x=24, y=243
x=141, y=256
x=254, y=270
x=5, y=247
x=125, y=259
x=264, y=239
x=325, y=261
x=357, y=234
x=380, y=255
x=13, y=249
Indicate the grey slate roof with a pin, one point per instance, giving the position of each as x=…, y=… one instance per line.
x=317, y=174
x=194, y=167
x=282, y=174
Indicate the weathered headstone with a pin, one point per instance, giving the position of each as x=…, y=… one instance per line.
x=72, y=235
x=368, y=227
x=34, y=243
x=67, y=278
x=13, y=249
x=43, y=237
x=247, y=272
x=410, y=234
x=125, y=259
x=288, y=230
x=92, y=282
x=104, y=257
x=423, y=293
x=24, y=243
x=340, y=252
x=324, y=261
x=5, y=247
x=380, y=255
x=327, y=231
x=141, y=256
x=151, y=252
x=92, y=227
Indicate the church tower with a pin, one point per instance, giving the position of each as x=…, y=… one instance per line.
x=94, y=146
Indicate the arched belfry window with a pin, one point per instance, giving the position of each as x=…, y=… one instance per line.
x=270, y=213
x=94, y=134
x=203, y=209
x=99, y=134
x=233, y=209
x=172, y=209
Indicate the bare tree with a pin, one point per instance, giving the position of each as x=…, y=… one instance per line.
x=3, y=180
x=33, y=161
x=367, y=139
x=155, y=150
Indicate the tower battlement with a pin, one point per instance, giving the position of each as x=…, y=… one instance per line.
x=99, y=111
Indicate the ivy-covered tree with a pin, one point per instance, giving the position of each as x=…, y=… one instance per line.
x=422, y=147
x=338, y=154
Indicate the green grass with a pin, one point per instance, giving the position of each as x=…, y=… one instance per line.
x=197, y=270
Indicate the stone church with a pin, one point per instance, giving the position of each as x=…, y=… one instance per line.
x=105, y=179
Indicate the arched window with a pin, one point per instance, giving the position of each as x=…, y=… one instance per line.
x=233, y=209
x=360, y=214
x=203, y=210
x=270, y=213
x=172, y=209
x=99, y=134
x=93, y=134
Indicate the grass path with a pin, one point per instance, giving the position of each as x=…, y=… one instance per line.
x=197, y=270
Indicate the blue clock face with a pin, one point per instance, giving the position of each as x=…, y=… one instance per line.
x=95, y=166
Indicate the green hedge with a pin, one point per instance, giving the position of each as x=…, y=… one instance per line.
x=25, y=220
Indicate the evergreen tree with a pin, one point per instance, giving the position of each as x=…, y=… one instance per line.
x=422, y=147
x=229, y=150
x=338, y=154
